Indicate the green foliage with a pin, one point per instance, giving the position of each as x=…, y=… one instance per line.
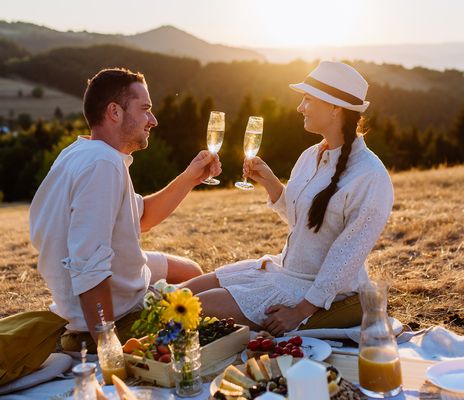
x=37, y=92
x=27, y=153
x=152, y=168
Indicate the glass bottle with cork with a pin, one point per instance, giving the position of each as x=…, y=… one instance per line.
x=379, y=362
x=84, y=376
x=109, y=349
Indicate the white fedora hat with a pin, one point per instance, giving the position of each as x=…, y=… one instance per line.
x=336, y=83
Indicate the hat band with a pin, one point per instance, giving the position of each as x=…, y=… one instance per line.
x=339, y=94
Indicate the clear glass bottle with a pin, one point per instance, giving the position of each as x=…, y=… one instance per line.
x=379, y=362
x=85, y=382
x=110, y=353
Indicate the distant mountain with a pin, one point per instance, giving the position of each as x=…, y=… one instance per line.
x=435, y=56
x=166, y=40
x=175, y=42
x=36, y=39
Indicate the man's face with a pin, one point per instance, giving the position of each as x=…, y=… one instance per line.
x=137, y=120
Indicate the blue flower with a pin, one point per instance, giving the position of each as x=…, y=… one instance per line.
x=171, y=333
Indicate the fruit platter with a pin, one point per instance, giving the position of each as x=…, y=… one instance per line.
x=258, y=375
x=295, y=346
x=151, y=362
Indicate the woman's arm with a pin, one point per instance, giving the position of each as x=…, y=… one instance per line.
x=368, y=207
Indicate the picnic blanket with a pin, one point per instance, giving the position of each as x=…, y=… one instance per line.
x=436, y=343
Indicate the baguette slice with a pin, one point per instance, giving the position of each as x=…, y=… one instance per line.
x=254, y=371
x=123, y=391
x=232, y=374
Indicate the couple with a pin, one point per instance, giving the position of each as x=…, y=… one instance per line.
x=86, y=219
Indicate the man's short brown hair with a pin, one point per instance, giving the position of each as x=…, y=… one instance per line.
x=107, y=86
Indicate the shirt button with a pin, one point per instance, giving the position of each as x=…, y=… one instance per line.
x=294, y=201
x=325, y=161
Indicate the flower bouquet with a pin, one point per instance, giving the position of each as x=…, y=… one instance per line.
x=169, y=322
x=166, y=347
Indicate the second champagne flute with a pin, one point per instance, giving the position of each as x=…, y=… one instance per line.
x=214, y=138
x=251, y=143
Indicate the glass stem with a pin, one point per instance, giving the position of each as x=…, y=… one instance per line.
x=245, y=180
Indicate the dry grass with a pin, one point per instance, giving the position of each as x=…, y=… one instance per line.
x=36, y=108
x=421, y=250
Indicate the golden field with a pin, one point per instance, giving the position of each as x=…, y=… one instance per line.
x=421, y=251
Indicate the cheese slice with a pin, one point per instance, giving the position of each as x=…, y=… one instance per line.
x=232, y=374
x=264, y=363
x=227, y=385
x=275, y=368
x=254, y=371
x=284, y=362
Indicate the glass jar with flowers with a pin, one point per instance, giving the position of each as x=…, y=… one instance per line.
x=170, y=318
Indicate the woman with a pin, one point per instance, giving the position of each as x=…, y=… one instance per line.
x=336, y=203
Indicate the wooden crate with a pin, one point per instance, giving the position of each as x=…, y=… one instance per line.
x=160, y=374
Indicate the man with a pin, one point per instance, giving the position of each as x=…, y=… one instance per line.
x=86, y=219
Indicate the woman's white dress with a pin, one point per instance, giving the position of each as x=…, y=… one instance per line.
x=328, y=265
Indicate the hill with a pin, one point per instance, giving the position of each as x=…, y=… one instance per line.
x=166, y=39
x=420, y=251
x=16, y=98
x=418, y=97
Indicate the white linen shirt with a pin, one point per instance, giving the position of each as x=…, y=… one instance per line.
x=85, y=223
x=355, y=217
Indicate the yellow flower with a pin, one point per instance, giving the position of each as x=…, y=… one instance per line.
x=183, y=309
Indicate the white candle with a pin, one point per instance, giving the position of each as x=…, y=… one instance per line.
x=270, y=396
x=307, y=379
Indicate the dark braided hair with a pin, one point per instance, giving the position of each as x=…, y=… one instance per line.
x=321, y=200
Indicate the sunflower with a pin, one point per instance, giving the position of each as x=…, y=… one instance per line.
x=182, y=308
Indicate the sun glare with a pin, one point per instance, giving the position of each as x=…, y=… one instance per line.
x=304, y=23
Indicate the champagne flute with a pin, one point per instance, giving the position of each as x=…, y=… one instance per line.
x=251, y=143
x=214, y=138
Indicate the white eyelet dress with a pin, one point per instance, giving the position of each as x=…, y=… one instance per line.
x=320, y=267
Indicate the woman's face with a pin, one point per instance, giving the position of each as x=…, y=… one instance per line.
x=318, y=115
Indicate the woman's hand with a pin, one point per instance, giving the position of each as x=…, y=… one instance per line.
x=205, y=164
x=256, y=169
x=283, y=319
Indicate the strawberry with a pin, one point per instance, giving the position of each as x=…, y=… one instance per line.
x=254, y=345
x=296, y=340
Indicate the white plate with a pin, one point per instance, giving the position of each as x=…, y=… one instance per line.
x=216, y=382
x=448, y=375
x=314, y=349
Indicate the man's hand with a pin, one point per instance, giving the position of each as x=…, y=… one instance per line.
x=283, y=319
x=205, y=164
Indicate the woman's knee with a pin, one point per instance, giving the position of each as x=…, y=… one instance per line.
x=182, y=269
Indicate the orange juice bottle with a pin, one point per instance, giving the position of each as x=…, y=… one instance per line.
x=379, y=369
x=379, y=362
x=110, y=354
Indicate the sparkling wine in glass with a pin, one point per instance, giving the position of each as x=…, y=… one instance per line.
x=214, y=138
x=251, y=143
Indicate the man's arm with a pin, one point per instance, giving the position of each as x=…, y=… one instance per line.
x=89, y=300
x=160, y=205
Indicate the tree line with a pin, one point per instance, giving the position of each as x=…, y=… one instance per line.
x=27, y=152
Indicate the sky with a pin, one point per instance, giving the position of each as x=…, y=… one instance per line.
x=257, y=23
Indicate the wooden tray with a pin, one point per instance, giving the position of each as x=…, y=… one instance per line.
x=161, y=374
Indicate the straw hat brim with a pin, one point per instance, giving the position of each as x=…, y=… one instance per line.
x=305, y=88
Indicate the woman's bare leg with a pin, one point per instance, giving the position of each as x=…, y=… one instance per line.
x=202, y=283
x=220, y=303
